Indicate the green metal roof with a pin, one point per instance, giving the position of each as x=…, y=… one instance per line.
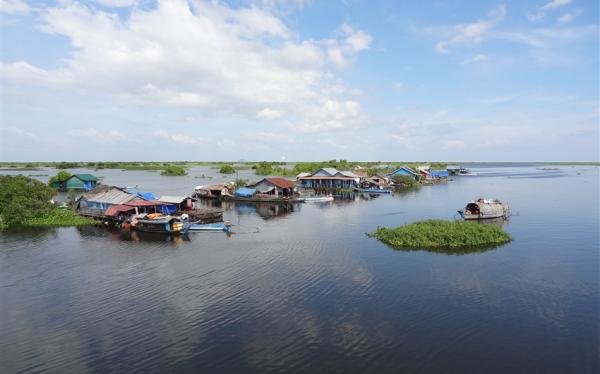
x=86, y=177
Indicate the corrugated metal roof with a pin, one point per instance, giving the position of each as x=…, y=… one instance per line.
x=86, y=177
x=173, y=199
x=114, y=210
x=281, y=182
x=301, y=175
x=347, y=173
x=330, y=171
x=327, y=177
x=113, y=196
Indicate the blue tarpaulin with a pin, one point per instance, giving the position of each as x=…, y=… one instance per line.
x=245, y=192
x=143, y=195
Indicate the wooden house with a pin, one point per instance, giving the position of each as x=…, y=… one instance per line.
x=406, y=171
x=330, y=178
x=85, y=182
x=96, y=202
x=276, y=186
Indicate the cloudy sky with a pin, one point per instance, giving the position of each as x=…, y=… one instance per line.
x=299, y=80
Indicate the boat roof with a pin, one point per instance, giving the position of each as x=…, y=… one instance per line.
x=112, y=195
x=173, y=199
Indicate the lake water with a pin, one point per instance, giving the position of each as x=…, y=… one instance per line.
x=305, y=290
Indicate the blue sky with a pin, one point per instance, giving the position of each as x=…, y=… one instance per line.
x=299, y=80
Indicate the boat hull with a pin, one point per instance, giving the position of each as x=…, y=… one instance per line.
x=318, y=199
x=215, y=227
x=371, y=190
x=475, y=217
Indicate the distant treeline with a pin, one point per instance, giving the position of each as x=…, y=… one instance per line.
x=261, y=168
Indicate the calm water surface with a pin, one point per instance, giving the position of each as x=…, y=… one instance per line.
x=304, y=290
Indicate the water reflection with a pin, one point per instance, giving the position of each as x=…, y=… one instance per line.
x=116, y=234
x=310, y=292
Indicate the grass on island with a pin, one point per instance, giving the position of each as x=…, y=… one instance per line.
x=227, y=169
x=174, y=171
x=26, y=202
x=59, y=217
x=439, y=234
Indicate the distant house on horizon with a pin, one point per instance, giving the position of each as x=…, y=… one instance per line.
x=86, y=182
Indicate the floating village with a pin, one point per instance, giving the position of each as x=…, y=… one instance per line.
x=128, y=208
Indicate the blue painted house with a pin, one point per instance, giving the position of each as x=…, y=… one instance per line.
x=404, y=171
x=330, y=178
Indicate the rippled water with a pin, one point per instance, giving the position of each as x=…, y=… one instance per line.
x=303, y=289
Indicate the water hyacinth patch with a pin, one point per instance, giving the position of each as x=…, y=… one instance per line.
x=442, y=234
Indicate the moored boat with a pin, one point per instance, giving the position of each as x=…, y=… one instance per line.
x=316, y=199
x=372, y=190
x=221, y=226
x=484, y=209
x=157, y=222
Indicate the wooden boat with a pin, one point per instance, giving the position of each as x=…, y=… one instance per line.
x=317, y=199
x=372, y=190
x=160, y=223
x=221, y=226
x=484, y=209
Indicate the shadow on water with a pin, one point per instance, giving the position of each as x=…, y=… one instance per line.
x=448, y=250
x=130, y=235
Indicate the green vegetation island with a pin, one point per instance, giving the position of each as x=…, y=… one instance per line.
x=440, y=234
x=174, y=171
x=28, y=202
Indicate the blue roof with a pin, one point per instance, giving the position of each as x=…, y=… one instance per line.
x=143, y=195
x=404, y=171
x=245, y=192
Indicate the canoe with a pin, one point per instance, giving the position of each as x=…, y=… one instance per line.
x=316, y=199
x=372, y=190
x=209, y=227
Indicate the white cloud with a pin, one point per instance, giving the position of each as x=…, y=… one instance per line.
x=472, y=33
x=201, y=55
x=14, y=131
x=357, y=40
x=99, y=135
x=269, y=114
x=480, y=57
x=569, y=16
x=544, y=9
x=14, y=7
x=117, y=3
x=399, y=87
x=453, y=144
x=180, y=139
x=269, y=138
x=330, y=115
x=341, y=52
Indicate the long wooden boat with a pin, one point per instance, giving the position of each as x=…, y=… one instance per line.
x=484, y=209
x=222, y=226
x=164, y=224
x=317, y=199
x=372, y=190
